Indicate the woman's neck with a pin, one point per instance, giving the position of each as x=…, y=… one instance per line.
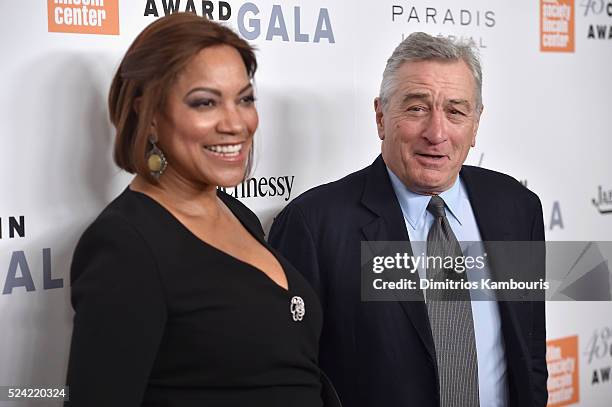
x=180, y=195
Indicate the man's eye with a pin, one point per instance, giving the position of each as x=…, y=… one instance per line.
x=416, y=109
x=456, y=112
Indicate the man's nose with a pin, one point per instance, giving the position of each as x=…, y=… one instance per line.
x=435, y=131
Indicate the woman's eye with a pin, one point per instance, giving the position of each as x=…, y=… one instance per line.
x=248, y=99
x=202, y=103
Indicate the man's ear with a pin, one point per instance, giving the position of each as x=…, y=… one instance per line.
x=477, y=118
x=378, y=108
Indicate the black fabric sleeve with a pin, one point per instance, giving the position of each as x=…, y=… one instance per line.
x=538, y=337
x=120, y=314
x=292, y=237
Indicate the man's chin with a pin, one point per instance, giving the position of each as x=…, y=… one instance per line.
x=433, y=185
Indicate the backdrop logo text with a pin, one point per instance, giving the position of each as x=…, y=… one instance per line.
x=452, y=22
x=276, y=23
x=19, y=276
x=603, y=201
x=83, y=16
x=262, y=187
x=562, y=361
x=557, y=25
x=600, y=12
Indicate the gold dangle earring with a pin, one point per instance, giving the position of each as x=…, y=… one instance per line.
x=156, y=160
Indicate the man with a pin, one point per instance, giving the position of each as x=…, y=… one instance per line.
x=404, y=353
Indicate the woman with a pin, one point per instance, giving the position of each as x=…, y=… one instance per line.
x=179, y=301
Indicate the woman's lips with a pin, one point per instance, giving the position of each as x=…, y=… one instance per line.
x=227, y=152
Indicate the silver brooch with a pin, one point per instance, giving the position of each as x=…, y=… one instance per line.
x=297, y=308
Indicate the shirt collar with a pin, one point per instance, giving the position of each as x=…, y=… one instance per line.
x=414, y=205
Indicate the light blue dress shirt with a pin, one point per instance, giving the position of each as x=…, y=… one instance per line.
x=492, y=377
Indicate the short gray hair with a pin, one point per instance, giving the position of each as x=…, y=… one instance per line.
x=419, y=46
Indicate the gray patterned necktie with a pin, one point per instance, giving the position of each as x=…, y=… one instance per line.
x=450, y=317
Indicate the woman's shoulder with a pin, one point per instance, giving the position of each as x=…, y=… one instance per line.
x=135, y=218
x=117, y=221
x=114, y=242
x=126, y=211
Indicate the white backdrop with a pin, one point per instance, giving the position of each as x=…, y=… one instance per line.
x=546, y=122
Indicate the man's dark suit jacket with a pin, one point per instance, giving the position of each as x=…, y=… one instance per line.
x=381, y=354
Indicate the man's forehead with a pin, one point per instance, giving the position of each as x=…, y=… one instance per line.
x=420, y=79
x=440, y=70
x=427, y=96
x=434, y=63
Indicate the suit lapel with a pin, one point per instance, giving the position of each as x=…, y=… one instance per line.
x=480, y=206
x=493, y=227
x=388, y=225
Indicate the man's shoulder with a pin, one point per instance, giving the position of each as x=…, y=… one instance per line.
x=497, y=184
x=335, y=203
x=344, y=190
x=494, y=178
x=331, y=212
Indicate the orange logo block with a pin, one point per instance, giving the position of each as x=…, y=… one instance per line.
x=83, y=16
x=563, y=379
x=557, y=25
